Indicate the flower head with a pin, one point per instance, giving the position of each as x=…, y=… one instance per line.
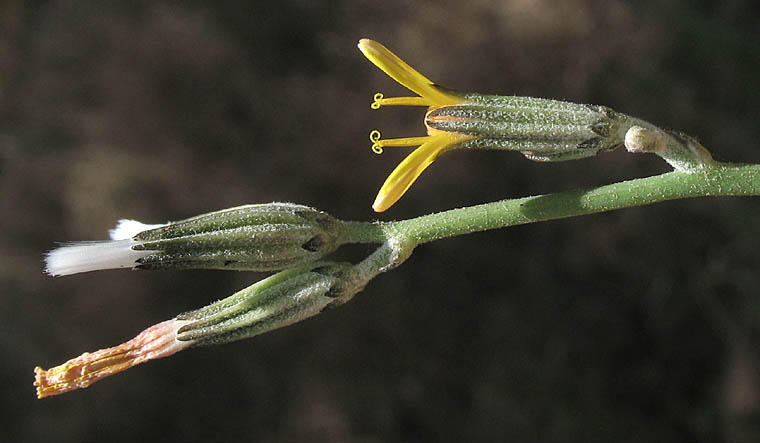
x=541, y=129
x=430, y=146
x=261, y=237
x=279, y=300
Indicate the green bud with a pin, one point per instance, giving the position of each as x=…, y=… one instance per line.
x=682, y=152
x=280, y=300
x=259, y=237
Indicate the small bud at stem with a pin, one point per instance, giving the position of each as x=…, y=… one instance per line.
x=639, y=139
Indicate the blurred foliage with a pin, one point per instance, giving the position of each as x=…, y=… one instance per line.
x=638, y=325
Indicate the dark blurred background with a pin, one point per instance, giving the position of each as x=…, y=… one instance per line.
x=636, y=325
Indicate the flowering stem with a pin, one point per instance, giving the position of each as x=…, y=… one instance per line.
x=298, y=293
x=720, y=179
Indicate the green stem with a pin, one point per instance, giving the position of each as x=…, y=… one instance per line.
x=719, y=179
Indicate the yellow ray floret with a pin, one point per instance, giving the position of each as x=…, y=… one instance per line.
x=411, y=167
x=399, y=70
x=430, y=146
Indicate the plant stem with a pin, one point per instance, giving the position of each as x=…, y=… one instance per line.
x=720, y=179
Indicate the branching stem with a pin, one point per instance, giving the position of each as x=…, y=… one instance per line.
x=721, y=179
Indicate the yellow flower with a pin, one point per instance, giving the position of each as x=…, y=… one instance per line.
x=540, y=129
x=430, y=146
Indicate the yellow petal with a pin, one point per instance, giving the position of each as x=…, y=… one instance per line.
x=406, y=173
x=407, y=76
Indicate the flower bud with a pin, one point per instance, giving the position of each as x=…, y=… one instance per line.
x=682, y=152
x=280, y=300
